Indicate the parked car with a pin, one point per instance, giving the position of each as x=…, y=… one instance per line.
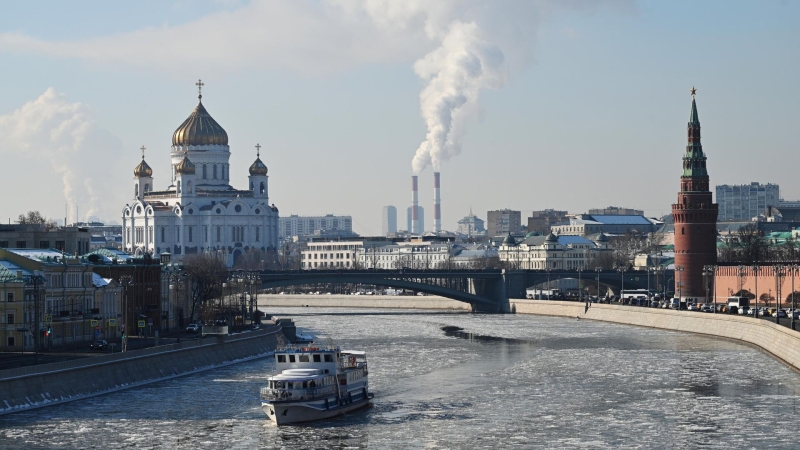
x=779, y=313
x=99, y=345
x=706, y=308
x=693, y=307
x=745, y=310
x=192, y=328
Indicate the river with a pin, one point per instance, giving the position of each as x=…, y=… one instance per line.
x=460, y=380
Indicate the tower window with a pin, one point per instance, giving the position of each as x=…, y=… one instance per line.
x=683, y=230
x=215, y=171
x=205, y=174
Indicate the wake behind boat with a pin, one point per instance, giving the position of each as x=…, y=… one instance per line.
x=315, y=383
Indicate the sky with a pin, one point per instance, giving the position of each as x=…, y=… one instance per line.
x=520, y=104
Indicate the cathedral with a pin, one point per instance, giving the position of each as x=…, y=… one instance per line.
x=199, y=212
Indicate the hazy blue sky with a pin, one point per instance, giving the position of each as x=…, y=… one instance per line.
x=579, y=105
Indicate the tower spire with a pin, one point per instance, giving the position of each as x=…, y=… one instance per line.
x=693, y=117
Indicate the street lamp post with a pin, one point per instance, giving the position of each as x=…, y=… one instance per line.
x=755, y=275
x=679, y=269
x=580, y=294
x=707, y=272
x=622, y=284
x=126, y=281
x=648, y=285
x=548, y=283
x=598, y=282
x=793, y=268
x=779, y=272
x=715, y=289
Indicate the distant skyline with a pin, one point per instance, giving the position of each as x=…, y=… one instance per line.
x=526, y=105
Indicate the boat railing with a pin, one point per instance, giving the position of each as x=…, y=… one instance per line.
x=297, y=394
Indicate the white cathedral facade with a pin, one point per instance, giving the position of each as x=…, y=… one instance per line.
x=199, y=212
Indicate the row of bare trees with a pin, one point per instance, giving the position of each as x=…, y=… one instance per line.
x=749, y=246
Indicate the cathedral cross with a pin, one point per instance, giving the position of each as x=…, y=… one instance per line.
x=143, y=149
x=199, y=85
x=258, y=150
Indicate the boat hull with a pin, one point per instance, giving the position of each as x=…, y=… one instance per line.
x=284, y=413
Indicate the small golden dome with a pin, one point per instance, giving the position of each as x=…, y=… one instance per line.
x=143, y=170
x=185, y=166
x=199, y=129
x=258, y=168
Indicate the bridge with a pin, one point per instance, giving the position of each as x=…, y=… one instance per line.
x=486, y=290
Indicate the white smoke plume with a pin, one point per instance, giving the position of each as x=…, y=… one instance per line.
x=64, y=136
x=455, y=74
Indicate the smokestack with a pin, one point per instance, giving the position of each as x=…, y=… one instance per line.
x=414, y=206
x=437, y=204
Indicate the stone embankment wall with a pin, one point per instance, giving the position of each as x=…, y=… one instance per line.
x=35, y=386
x=363, y=301
x=780, y=341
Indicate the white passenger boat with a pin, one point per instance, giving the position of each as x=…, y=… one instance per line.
x=315, y=383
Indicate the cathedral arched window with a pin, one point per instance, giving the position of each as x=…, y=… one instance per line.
x=147, y=187
x=262, y=188
x=179, y=187
x=205, y=174
x=215, y=171
x=223, y=171
x=188, y=187
x=136, y=191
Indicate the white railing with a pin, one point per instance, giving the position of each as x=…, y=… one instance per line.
x=297, y=394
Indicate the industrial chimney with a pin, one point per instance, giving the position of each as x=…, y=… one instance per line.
x=437, y=204
x=415, y=225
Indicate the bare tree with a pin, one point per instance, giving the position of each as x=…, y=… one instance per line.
x=372, y=256
x=36, y=218
x=747, y=247
x=205, y=273
x=605, y=260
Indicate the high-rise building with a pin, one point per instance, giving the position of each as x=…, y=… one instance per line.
x=742, y=202
x=695, y=217
x=389, y=220
x=329, y=225
x=417, y=227
x=502, y=222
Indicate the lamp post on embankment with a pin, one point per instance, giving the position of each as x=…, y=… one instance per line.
x=780, y=271
x=755, y=276
x=793, y=268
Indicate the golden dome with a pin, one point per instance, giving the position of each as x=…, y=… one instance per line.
x=185, y=166
x=199, y=129
x=258, y=168
x=143, y=170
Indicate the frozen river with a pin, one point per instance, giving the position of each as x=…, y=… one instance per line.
x=458, y=380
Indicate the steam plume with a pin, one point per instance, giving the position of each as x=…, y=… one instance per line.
x=455, y=73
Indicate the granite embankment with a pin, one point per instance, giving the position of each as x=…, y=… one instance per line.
x=780, y=341
x=363, y=301
x=35, y=386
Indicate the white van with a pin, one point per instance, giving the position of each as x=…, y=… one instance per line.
x=739, y=302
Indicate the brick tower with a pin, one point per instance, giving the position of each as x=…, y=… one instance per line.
x=695, y=218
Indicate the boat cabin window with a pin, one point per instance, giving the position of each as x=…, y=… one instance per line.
x=281, y=358
x=328, y=357
x=291, y=358
x=303, y=358
x=317, y=358
x=305, y=384
x=289, y=385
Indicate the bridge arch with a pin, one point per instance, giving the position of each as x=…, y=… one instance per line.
x=478, y=303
